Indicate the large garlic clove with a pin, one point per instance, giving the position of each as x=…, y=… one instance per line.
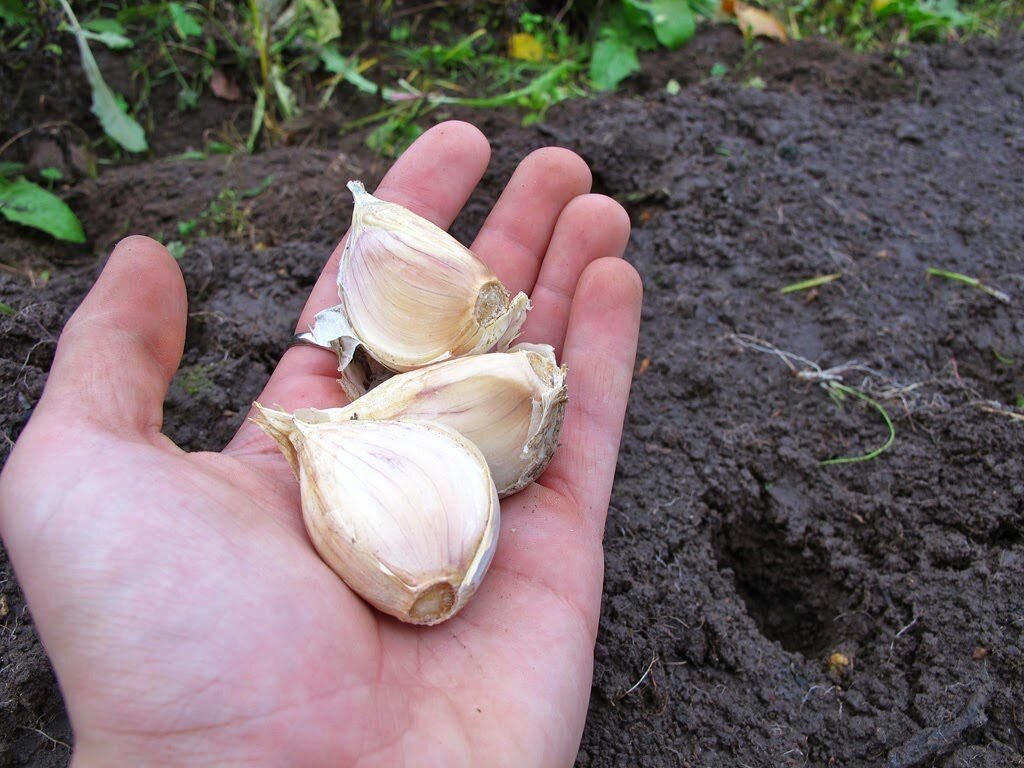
x=510, y=404
x=411, y=294
x=404, y=512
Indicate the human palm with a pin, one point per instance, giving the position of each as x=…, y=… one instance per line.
x=186, y=613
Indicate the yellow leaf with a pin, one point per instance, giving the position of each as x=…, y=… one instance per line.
x=755, y=22
x=525, y=47
x=878, y=5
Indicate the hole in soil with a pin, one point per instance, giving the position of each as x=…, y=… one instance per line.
x=786, y=586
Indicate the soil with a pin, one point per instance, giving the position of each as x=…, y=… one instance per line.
x=761, y=607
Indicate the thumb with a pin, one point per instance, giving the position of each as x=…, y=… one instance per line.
x=119, y=350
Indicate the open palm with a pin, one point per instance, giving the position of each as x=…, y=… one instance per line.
x=187, y=616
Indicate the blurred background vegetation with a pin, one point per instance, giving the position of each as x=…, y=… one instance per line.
x=282, y=60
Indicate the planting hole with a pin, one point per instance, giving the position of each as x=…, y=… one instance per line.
x=786, y=586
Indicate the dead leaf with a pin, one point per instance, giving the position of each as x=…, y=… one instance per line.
x=754, y=22
x=524, y=47
x=223, y=87
x=644, y=365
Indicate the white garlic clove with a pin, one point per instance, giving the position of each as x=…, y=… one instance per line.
x=510, y=404
x=411, y=294
x=405, y=513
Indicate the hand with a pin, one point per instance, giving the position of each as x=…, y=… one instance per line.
x=187, y=616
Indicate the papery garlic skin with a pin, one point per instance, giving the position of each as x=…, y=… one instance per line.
x=405, y=513
x=411, y=294
x=509, y=404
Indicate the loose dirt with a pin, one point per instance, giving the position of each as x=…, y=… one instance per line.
x=761, y=607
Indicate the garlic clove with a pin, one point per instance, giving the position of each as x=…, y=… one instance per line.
x=404, y=512
x=509, y=404
x=396, y=271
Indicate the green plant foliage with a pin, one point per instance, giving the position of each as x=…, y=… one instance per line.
x=613, y=60
x=184, y=23
x=106, y=105
x=108, y=32
x=632, y=26
x=347, y=68
x=13, y=12
x=672, y=21
x=392, y=137
x=25, y=202
x=925, y=19
x=326, y=22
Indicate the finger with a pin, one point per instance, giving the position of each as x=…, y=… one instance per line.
x=515, y=235
x=122, y=345
x=433, y=178
x=600, y=350
x=591, y=227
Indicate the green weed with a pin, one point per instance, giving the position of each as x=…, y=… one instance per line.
x=631, y=26
x=110, y=108
x=228, y=214
x=868, y=24
x=812, y=282
x=838, y=392
x=831, y=380
x=968, y=280
x=25, y=202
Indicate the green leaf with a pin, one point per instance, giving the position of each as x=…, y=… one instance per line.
x=612, y=61
x=112, y=40
x=117, y=123
x=326, y=20
x=259, y=111
x=14, y=12
x=177, y=249
x=7, y=309
x=105, y=25
x=26, y=203
x=348, y=68
x=51, y=174
x=184, y=23
x=109, y=32
x=393, y=137
x=259, y=189
x=672, y=20
x=187, y=99
x=9, y=168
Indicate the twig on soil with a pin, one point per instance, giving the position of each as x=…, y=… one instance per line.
x=899, y=634
x=642, y=677
x=991, y=406
x=663, y=504
x=48, y=737
x=931, y=743
x=812, y=689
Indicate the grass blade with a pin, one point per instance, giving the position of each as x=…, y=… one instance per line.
x=812, y=282
x=968, y=280
x=835, y=385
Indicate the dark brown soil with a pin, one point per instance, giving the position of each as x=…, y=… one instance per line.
x=761, y=608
